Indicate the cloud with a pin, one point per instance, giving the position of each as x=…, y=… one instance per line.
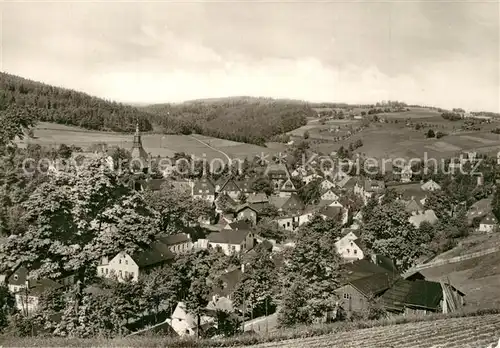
x=443, y=54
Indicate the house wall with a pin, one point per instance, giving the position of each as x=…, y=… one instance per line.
x=326, y=184
x=351, y=299
x=181, y=248
x=122, y=266
x=486, y=228
x=285, y=194
x=329, y=196
x=209, y=197
x=228, y=249
x=305, y=218
x=348, y=249
x=286, y=223
x=25, y=303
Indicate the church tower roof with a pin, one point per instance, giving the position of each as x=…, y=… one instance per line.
x=137, y=149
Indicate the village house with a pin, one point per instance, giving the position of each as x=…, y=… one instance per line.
x=27, y=299
x=367, y=188
x=329, y=195
x=278, y=174
x=288, y=222
x=247, y=212
x=186, y=324
x=287, y=204
x=238, y=225
x=258, y=200
x=179, y=243
x=418, y=217
x=230, y=188
x=204, y=189
x=310, y=178
x=231, y=241
x=409, y=191
x=347, y=247
x=327, y=185
x=479, y=209
x=488, y=224
x=430, y=185
x=287, y=189
x=126, y=266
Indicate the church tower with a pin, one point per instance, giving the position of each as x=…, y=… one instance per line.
x=138, y=151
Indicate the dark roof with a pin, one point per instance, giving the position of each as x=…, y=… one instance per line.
x=175, y=239
x=278, y=201
x=245, y=206
x=228, y=236
x=374, y=284
x=245, y=185
x=153, y=184
x=240, y=225
x=257, y=198
x=155, y=254
x=409, y=190
x=43, y=285
x=203, y=184
x=386, y=263
x=230, y=280
x=394, y=298
x=276, y=168
x=489, y=219
x=331, y=212
x=360, y=269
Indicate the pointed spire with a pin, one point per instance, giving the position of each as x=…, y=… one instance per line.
x=137, y=128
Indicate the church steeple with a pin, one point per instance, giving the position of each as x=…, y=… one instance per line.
x=137, y=149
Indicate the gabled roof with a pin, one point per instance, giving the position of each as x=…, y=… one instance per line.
x=153, y=184
x=489, y=219
x=374, y=284
x=245, y=206
x=331, y=212
x=204, y=184
x=245, y=185
x=288, y=186
x=276, y=169
x=182, y=185
x=234, y=237
x=428, y=216
x=155, y=254
x=257, y=198
x=360, y=269
x=42, y=285
x=240, y=225
x=175, y=239
x=278, y=201
x=413, y=206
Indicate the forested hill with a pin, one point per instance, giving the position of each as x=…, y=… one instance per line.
x=244, y=119
x=65, y=106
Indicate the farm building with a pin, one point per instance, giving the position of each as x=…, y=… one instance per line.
x=488, y=223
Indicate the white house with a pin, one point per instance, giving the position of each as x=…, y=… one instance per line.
x=418, y=217
x=488, y=224
x=231, y=241
x=430, y=185
x=329, y=195
x=129, y=267
x=185, y=323
x=309, y=178
x=347, y=247
x=204, y=189
x=288, y=222
x=178, y=243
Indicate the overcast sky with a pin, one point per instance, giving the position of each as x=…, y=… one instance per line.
x=444, y=54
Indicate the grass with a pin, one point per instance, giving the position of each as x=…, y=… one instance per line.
x=50, y=134
x=342, y=333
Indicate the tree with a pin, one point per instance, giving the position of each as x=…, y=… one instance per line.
x=159, y=288
x=7, y=306
x=262, y=185
x=310, y=192
x=495, y=203
x=387, y=231
x=176, y=209
x=64, y=151
x=440, y=202
x=306, y=135
x=295, y=308
x=430, y=133
x=316, y=263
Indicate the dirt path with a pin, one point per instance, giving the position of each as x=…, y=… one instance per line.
x=211, y=147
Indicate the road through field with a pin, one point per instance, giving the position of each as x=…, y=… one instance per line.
x=211, y=147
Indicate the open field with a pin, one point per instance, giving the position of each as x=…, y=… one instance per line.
x=50, y=134
x=456, y=330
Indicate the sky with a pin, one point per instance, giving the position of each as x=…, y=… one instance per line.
x=444, y=54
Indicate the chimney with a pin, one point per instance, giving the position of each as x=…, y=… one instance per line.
x=374, y=258
x=242, y=268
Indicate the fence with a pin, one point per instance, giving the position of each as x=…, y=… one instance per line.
x=453, y=259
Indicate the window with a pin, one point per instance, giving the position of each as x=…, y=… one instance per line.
x=126, y=274
x=106, y=271
x=16, y=277
x=355, y=251
x=132, y=274
x=120, y=261
x=347, y=296
x=126, y=262
x=120, y=272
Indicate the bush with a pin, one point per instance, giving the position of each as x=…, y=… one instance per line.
x=430, y=133
x=440, y=135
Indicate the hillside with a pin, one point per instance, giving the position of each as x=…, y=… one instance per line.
x=472, y=331
x=65, y=106
x=242, y=119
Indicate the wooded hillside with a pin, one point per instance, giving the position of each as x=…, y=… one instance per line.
x=250, y=120
x=65, y=106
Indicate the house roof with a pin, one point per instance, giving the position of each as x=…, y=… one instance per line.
x=489, y=219
x=153, y=184
x=175, y=239
x=278, y=201
x=245, y=206
x=413, y=206
x=257, y=198
x=346, y=182
x=373, y=284
x=428, y=216
x=42, y=285
x=204, y=184
x=276, y=168
x=229, y=279
x=373, y=185
x=430, y=183
x=288, y=186
x=479, y=209
x=409, y=190
x=240, y=225
x=234, y=237
x=360, y=269
x=331, y=212
x=156, y=253
x=245, y=185
x=182, y=185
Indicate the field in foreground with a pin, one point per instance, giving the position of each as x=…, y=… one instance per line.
x=471, y=331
